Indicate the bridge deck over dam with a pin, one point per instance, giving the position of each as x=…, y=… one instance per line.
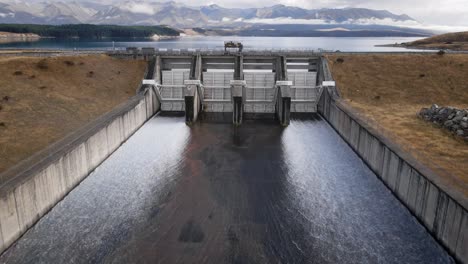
x=217, y=193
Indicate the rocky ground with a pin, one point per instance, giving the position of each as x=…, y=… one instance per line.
x=453, y=119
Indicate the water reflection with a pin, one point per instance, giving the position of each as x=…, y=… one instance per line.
x=216, y=42
x=215, y=193
x=101, y=213
x=348, y=214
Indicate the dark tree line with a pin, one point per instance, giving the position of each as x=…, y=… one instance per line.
x=89, y=31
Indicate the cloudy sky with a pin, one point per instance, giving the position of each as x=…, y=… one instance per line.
x=430, y=12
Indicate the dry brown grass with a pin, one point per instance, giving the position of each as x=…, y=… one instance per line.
x=55, y=96
x=391, y=89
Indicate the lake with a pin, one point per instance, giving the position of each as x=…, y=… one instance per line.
x=216, y=42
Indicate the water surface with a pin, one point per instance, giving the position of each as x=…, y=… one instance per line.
x=214, y=193
x=312, y=43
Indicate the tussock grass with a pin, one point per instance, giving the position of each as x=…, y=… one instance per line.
x=56, y=100
x=391, y=89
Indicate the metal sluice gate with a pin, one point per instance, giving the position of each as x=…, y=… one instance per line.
x=237, y=84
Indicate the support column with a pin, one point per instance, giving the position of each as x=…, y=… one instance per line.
x=283, y=99
x=237, y=88
x=237, y=91
x=283, y=104
x=192, y=101
x=193, y=92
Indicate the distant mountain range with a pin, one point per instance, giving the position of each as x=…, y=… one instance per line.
x=213, y=18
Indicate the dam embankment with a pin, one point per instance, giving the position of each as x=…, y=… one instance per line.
x=440, y=208
x=38, y=183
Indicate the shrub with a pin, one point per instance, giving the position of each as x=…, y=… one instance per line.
x=422, y=75
x=42, y=64
x=18, y=73
x=69, y=63
x=340, y=60
x=2, y=124
x=42, y=87
x=6, y=98
x=440, y=52
x=90, y=74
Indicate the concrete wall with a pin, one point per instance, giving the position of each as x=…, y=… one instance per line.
x=44, y=179
x=440, y=208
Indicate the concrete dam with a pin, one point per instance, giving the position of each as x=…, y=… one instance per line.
x=229, y=158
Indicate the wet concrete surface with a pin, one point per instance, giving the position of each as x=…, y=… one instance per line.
x=214, y=193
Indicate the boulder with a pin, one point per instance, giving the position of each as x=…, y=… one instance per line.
x=451, y=118
x=448, y=123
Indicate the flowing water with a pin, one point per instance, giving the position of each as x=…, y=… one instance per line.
x=215, y=193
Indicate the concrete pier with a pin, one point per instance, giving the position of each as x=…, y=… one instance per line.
x=193, y=92
x=283, y=106
x=238, y=91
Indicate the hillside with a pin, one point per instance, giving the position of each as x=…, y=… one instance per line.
x=89, y=31
x=451, y=41
x=391, y=89
x=42, y=100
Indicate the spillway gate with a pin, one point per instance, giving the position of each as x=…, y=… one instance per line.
x=237, y=84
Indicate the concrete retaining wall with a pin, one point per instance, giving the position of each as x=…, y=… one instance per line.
x=438, y=206
x=41, y=181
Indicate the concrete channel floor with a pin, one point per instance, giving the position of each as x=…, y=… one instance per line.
x=214, y=193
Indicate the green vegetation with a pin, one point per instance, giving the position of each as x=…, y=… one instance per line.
x=88, y=31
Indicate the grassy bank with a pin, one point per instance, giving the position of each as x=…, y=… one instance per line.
x=42, y=100
x=391, y=89
x=452, y=41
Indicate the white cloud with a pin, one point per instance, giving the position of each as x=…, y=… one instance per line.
x=433, y=12
x=372, y=21
x=287, y=20
x=140, y=8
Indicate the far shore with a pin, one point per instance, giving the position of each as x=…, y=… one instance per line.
x=457, y=41
x=435, y=46
x=8, y=37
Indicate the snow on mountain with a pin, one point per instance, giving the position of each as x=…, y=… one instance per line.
x=142, y=12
